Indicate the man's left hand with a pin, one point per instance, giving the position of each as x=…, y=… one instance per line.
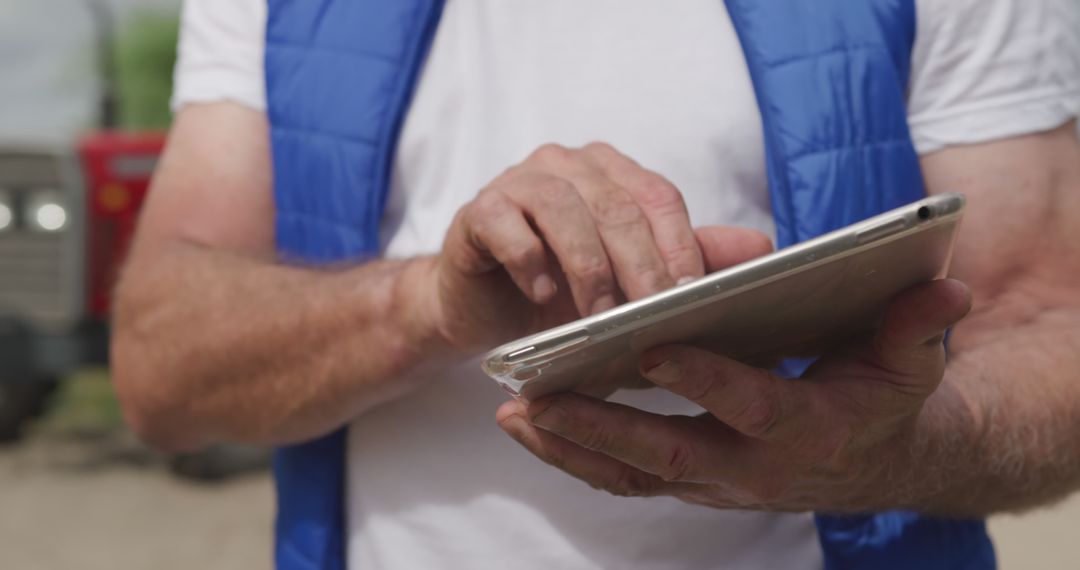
x=840, y=439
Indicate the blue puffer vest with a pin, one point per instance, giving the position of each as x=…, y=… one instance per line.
x=830, y=77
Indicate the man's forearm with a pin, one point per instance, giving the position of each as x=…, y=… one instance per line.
x=1019, y=447
x=1016, y=359
x=209, y=345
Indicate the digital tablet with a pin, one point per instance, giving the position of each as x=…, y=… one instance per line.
x=798, y=301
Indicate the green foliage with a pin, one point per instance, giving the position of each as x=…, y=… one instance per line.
x=145, y=56
x=85, y=404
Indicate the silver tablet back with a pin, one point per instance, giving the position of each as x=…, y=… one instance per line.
x=795, y=302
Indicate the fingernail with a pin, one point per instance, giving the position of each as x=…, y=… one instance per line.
x=543, y=286
x=665, y=373
x=685, y=280
x=605, y=303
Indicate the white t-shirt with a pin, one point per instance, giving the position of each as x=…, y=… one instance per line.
x=432, y=482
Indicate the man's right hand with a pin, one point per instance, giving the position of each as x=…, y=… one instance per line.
x=568, y=233
x=214, y=340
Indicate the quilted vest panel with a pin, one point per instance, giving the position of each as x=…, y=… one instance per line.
x=339, y=75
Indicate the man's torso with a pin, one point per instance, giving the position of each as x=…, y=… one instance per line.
x=667, y=85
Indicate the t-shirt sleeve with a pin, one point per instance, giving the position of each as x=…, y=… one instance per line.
x=984, y=70
x=220, y=55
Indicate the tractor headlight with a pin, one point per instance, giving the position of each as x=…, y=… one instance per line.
x=45, y=212
x=7, y=212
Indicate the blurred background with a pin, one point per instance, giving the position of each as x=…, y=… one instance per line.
x=84, y=88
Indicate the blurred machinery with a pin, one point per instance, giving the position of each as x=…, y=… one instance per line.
x=66, y=218
x=67, y=213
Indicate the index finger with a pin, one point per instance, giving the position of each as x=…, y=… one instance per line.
x=751, y=400
x=664, y=208
x=675, y=449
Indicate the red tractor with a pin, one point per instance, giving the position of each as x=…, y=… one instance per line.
x=67, y=214
x=66, y=218
x=65, y=221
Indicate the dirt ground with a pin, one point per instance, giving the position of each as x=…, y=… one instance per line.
x=79, y=493
x=1048, y=539
x=106, y=504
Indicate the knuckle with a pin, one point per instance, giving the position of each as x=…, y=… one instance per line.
x=589, y=268
x=619, y=211
x=659, y=194
x=630, y=482
x=681, y=249
x=596, y=438
x=506, y=176
x=551, y=154
x=524, y=254
x=684, y=259
x=462, y=218
x=488, y=206
x=758, y=417
x=680, y=458
x=699, y=387
x=554, y=192
x=653, y=278
x=601, y=148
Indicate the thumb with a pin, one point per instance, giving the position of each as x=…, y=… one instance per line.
x=915, y=323
x=725, y=246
